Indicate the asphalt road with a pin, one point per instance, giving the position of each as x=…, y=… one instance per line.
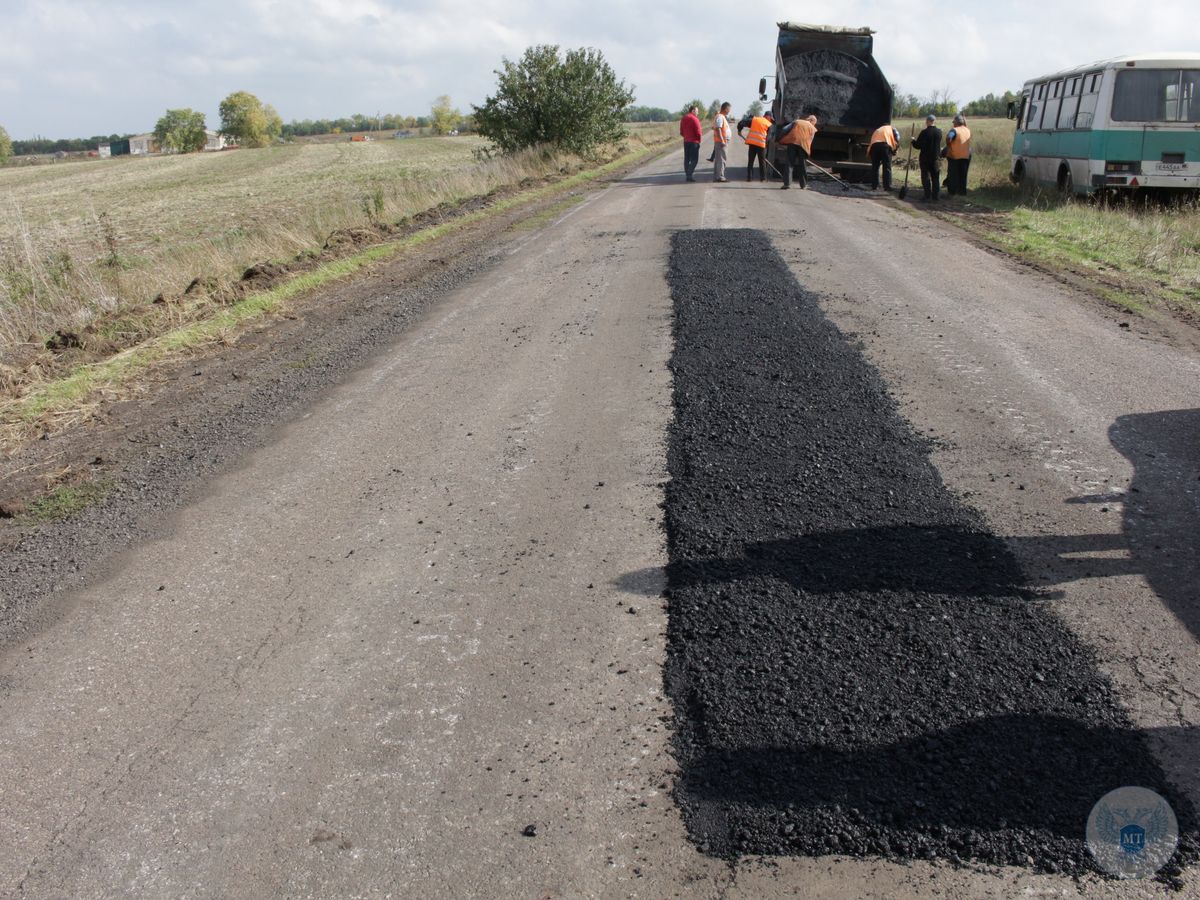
x=425, y=617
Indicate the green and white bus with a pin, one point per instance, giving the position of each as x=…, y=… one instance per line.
x=1125, y=124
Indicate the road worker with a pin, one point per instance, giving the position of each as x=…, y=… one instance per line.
x=929, y=144
x=690, y=131
x=756, y=142
x=880, y=149
x=721, y=137
x=797, y=137
x=958, y=156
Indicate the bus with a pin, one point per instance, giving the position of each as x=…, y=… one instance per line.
x=1122, y=125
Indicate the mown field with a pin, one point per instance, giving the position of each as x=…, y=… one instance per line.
x=109, y=268
x=81, y=240
x=1144, y=257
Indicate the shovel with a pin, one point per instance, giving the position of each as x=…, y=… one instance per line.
x=908, y=166
x=845, y=186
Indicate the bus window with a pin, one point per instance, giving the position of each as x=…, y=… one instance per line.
x=1095, y=86
x=1066, y=113
x=1058, y=86
x=1087, y=110
x=1075, y=86
x=1049, y=113
x=1189, y=96
x=1156, y=95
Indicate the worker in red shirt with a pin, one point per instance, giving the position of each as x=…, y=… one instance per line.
x=691, y=132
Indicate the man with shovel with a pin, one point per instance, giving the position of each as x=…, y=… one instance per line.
x=756, y=142
x=929, y=146
x=880, y=150
x=797, y=137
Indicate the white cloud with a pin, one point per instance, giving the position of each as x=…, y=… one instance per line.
x=71, y=67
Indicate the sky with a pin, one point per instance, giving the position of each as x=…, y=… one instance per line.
x=70, y=68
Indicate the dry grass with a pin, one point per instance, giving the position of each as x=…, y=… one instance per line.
x=69, y=389
x=1143, y=257
x=103, y=238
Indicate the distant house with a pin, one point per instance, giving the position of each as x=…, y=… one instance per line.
x=143, y=144
x=104, y=151
x=216, y=141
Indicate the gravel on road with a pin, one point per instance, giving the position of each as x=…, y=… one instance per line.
x=857, y=665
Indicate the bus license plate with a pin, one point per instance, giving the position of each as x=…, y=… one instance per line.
x=1171, y=167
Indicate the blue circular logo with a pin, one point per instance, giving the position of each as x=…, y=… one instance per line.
x=1132, y=832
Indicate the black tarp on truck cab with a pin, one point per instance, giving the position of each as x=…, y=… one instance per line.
x=830, y=72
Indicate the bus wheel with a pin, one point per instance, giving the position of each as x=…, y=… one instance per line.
x=1066, y=184
x=1018, y=173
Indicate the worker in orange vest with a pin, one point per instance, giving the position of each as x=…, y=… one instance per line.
x=958, y=156
x=797, y=137
x=756, y=142
x=880, y=149
x=721, y=137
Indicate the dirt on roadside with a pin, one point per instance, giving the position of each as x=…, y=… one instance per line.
x=193, y=417
x=38, y=361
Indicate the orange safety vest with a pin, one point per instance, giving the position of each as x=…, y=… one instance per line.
x=960, y=147
x=757, y=136
x=801, y=135
x=720, y=129
x=883, y=134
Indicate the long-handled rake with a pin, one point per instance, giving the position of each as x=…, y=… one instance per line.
x=908, y=166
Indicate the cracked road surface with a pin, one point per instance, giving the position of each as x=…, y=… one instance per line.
x=426, y=616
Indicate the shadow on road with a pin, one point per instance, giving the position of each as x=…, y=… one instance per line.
x=1161, y=517
x=1159, y=539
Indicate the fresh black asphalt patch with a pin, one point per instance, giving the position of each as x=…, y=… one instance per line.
x=855, y=662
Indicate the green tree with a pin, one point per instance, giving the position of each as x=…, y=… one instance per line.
x=246, y=121
x=181, y=130
x=6, y=148
x=274, y=122
x=990, y=105
x=699, y=104
x=444, y=116
x=713, y=109
x=648, y=114
x=573, y=101
x=755, y=108
x=941, y=103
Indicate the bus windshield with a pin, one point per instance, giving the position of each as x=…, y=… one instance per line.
x=1157, y=95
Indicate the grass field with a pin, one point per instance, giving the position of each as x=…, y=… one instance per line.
x=1144, y=258
x=83, y=241
x=90, y=246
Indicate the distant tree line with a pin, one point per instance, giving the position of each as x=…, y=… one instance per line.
x=67, y=145
x=942, y=103
x=356, y=122
x=990, y=105
x=649, y=114
x=246, y=121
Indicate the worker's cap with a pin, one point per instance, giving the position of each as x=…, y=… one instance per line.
x=931, y=118
x=769, y=115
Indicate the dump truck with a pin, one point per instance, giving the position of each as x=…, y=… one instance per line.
x=829, y=71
